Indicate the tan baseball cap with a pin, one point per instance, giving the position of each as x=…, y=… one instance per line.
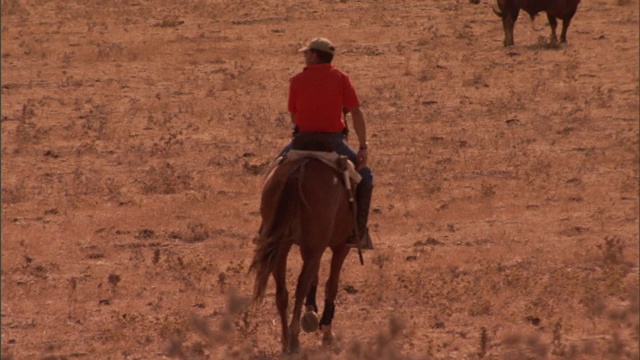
x=321, y=44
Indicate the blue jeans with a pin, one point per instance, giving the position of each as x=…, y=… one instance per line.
x=340, y=146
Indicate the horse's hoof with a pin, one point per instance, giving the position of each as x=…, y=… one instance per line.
x=327, y=335
x=328, y=339
x=309, y=322
x=293, y=348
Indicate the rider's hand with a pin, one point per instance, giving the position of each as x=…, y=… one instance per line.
x=362, y=158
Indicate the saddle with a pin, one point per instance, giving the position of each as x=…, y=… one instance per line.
x=317, y=146
x=307, y=146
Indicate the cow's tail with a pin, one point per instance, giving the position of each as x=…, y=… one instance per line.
x=496, y=10
x=496, y=7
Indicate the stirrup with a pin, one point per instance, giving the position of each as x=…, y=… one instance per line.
x=365, y=241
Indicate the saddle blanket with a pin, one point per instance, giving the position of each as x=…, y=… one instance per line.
x=329, y=158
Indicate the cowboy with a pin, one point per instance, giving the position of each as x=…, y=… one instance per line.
x=319, y=96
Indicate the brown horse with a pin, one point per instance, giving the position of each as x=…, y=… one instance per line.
x=304, y=202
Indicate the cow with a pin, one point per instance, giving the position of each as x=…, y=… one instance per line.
x=508, y=10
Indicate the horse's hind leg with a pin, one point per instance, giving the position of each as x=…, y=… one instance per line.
x=331, y=292
x=282, y=299
x=310, y=304
x=310, y=320
x=309, y=271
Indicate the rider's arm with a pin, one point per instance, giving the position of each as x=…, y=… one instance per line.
x=359, y=126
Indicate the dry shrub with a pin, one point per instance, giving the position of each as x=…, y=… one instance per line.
x=109, y=52
x=484, y=342
x=480, y=307
x=525, y=346
x=477, y=81
x=13, y=7
x=27, y=133
x=612, y=250
x=87, y=182
x=196, y=338
x=194, y=233
x=487, y=190
x=559, y=348
x=592, y=301
x=166, y=179
x=465, y=32
x=171, y=21
x=384, y=346
x=168, y=145
x=96, y=122
x=14, y=193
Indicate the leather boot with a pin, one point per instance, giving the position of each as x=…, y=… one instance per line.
x=363, y=203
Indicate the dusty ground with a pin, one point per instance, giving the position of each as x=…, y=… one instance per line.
x=135, y=134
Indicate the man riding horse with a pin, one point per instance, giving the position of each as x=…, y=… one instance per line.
x=319, y=96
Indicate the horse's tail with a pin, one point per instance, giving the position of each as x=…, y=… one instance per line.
x=277, y=235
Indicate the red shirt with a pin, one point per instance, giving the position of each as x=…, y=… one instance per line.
x=317, y=96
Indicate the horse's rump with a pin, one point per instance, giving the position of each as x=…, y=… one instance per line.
x=278, y=223
x=300, y=198
x=279, y=195
x=304, y=202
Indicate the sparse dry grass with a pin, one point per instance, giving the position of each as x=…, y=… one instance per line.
x=135, y=136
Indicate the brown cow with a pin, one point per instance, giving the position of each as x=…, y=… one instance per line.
x=508, y=10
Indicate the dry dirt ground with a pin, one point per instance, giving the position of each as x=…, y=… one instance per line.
x=136, y=133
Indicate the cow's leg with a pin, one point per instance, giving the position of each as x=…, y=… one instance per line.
x=508, y=23
x=553, y=22
x=331, y=292
x=565, y=27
